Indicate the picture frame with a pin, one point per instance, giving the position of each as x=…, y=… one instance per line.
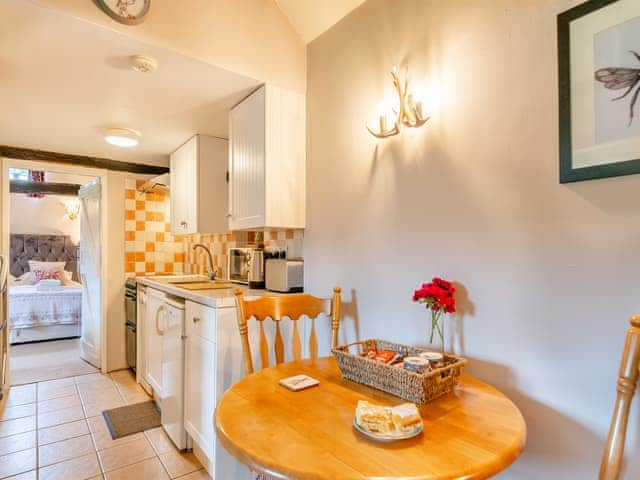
x=599, y=90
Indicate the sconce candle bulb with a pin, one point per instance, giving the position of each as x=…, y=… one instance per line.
x=409, y=113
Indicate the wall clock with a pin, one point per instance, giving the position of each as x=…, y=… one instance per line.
x=129, y=12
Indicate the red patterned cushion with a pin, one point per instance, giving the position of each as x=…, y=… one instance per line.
x=46, y=274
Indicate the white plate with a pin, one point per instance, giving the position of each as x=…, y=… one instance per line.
x=388, y=437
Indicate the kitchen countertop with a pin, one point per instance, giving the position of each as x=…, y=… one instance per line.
x=219, y=298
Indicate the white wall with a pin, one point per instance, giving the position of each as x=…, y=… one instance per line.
x=549, y=271
x=43, y=216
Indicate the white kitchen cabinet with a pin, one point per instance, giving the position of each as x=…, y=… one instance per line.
x=199, y=186
x=152, y=339
x=267, y=158
x=141, y=348
x=200, y=370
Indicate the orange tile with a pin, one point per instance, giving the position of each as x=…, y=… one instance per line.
x=178, y=238
x=140, y=226
x=130, y=267
x=289, y=234
x=168, y=268
x=149, y=267
x=130, y=236
x=159, y=236
x=149, y=216
x=178, y=257
x=129, y=194
x=140, y=257
x=158, y=216
x=139, y=205
x=167, y=227
x=130, y=256
x=129, y=214
x=139, y=183
x=150, y=247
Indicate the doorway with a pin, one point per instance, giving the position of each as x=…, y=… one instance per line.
x=54, y=239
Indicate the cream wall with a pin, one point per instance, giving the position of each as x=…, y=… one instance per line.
x=549, y=271
x=250, y=37
x=45, y=216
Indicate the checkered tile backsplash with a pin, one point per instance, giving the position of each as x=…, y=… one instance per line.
x=149, y=246
x=151, y=249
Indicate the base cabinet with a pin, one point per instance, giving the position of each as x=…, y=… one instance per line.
x=153, y=339
x=200, y=371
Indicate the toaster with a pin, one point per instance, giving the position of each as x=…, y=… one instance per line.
x=283, y=275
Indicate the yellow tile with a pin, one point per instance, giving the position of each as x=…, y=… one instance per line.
x=150, y=469
x=61, y=432
x=178, y=464
x=64, y=450
x=127, y=454
x=80, y=468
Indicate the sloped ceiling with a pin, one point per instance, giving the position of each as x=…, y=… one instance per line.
x=311, y=18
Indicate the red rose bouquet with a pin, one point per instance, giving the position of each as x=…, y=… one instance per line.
x=438, y=298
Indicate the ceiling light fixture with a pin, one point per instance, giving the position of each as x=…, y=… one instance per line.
x=122, y=137
x=144, y=64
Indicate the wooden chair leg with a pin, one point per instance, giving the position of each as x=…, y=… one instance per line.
x=627, y=383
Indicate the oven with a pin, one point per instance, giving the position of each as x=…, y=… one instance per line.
x=130, y=302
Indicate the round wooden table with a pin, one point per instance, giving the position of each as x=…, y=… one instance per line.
x=473, y=433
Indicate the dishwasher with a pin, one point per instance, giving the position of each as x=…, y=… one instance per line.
x=172, y=395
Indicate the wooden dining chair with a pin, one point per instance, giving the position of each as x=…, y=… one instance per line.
x=278, y=308
x=627, y=383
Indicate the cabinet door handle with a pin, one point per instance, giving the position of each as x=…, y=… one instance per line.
x=196, y=319
x=158, y=313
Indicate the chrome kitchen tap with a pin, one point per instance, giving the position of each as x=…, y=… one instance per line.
x=211, y=271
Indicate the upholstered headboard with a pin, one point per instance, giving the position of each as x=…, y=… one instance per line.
x=46, y=248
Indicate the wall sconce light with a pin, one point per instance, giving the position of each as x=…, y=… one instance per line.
x=408, y=113
x=72, y=209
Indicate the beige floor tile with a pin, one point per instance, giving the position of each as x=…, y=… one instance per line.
x=15, y=443
x=59, y=417
x=199, y=475
x=17, y=411
x=126, y=454
x=32, y=475
x=92, y=377
x=61, y=432
x=18, y=462
x=81, y=468
x=21, y=394
x=65, y=450
x=123, y=377
x=150, y=469
x=56, y=384
x=159, y=440
x=97, y=388
x=178, y=464
x=100, y=405
x=54, y=404
x=56, y=393
x=18, y=425
x=102, y=436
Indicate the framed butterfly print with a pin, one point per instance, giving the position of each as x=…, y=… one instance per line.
x=599, y=90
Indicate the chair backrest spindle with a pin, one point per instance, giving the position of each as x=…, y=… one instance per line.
x=292, y=307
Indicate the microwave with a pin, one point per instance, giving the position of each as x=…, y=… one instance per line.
x=246, y=266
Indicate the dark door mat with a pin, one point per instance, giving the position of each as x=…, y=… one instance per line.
x=123, y=421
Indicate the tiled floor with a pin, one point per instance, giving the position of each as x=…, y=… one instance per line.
x=55, y=430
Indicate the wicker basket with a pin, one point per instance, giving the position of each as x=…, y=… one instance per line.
x=414, y=387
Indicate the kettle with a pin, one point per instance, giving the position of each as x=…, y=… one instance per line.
x=256, y=269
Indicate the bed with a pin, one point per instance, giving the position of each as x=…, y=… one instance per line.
x=36, y=315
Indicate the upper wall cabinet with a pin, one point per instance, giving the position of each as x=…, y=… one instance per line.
x=199, y=186
x=267, y=160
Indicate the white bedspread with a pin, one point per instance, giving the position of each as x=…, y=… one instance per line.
x=29, y=307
